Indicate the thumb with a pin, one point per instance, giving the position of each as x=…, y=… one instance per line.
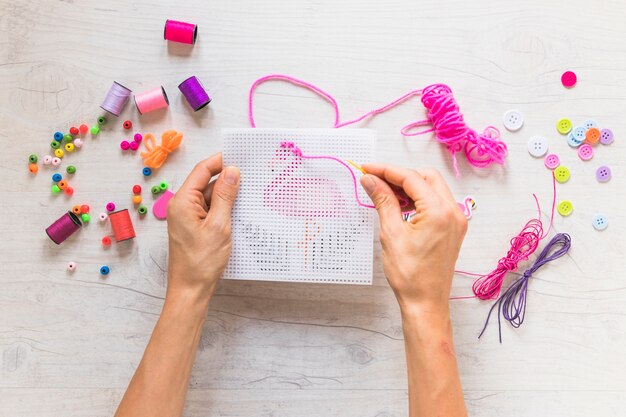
x=385, y=201
x=223, y=196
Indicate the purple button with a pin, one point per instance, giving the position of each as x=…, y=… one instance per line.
x=585, y=152
x=606, y=136
x=603, y=173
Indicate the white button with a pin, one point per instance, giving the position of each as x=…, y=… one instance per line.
x=600, y=222
x=513, y=120
x=590, y=123
x=537, y=146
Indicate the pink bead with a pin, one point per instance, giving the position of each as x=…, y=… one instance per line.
x=124, y=145
x=134, y=146
x=78, y=143
x=47, y=160
x=71, y=266
x=110, y=206
x=56, y=161
x=138, y=137
x=103, y=217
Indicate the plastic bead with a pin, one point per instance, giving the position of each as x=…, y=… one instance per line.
x=62, y=184
x=137, y=137
x=33, y=159
x=74, y=131
x=55, y=145
x=69, y=190
x=106, y=241
x=136, y=199
x=33, y=168
x=76, y=209
x=56, y=189
x=102, y=120
x=104, y=270
x=136, y=189
x=71, y=169
x=84, y=208
x=134, y=146
x=57, y=177
x=71, y=266
x=124, y=145
x=59, y=153
x=156, y=189
x=103, y=217
x=58, y=136
x=56, y=161
x=83, y=129
x=47, y=160
x=86, y=217
x=163, y=186
x=146, y=172
x=127, y=124
x=142, y=210
x=78, y=143
x=68, y=138
x=69, y=147
x=110, y=206
x=95, y=130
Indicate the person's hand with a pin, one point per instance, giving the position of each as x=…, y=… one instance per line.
x=418, y=255
x=199, y=229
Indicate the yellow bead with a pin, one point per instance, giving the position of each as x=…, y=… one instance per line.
x=136, y=199
x=59, y=153
x=69, y=147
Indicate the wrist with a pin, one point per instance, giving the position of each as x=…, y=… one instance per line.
x=431, y=315
x=188, y=301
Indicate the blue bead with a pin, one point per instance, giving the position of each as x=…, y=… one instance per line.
x=147, y=171
x=104, y=270
x=58, y=136
x=57, y=177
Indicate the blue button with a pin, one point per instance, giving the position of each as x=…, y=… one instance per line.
x=589, y=124
x=579, y=133
x=573, y=141
x=600, y=222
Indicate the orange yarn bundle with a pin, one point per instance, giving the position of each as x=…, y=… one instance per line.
x=157, y=154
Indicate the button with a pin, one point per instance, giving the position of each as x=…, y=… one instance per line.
x=600, y=222
x=579, y=133
x=592, y=136
x=513, y=120
x=537, y=146
x=603, y=173
x=568, y=79
x=585, y=152
x=606, y=136
x=573, y=141
x=564, y=126
x=561, y=174
x=565, y=208
x=551, y=161
x=590, y=123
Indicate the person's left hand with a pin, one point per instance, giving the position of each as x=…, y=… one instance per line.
x=199, y=229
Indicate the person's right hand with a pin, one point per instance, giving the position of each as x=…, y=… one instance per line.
x=418, y=255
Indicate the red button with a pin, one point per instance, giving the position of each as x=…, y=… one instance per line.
x=568, y=79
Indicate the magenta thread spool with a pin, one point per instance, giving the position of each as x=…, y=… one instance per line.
x=194, y=92
x=116, y=99
x=151, y=100
x=180, y=32
x=64, y=227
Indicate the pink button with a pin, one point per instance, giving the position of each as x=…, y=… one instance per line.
x=568, y=79
x=585, y=152
x=551, y=161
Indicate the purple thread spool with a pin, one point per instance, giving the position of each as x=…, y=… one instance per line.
x=116, y=99
x=64, y=227
x=194, y=92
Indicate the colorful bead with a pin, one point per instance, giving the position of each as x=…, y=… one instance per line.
x=95, y=130
x=104, y=270
x=69, y=190
x=57, y=177
x=33, y=159
x=136, y=199
x=55, y=145
x=68, y=138
x=86, y=217
x=58, y=136
x=47, y=160
x=83, y=129
x=59, y=153
x=110, y=206
x=74, y=131
x=146, y=172
x=138, y=137
x=78, y=143
x=106, y=241
x=56, y=161
x=142, y=210
x=69, y=147
x=134, y=146
x=127, y=124
x=71, y=169
x=102, y=120
x=163, y=186
x=124, y=145
x=62, y=184
x=155, y=189
x=56, y=189
x=84, y=208
x=76, y=209
x=103, y=217
x=33, y=168
x=71, y=266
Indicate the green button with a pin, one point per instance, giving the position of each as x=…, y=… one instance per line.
x=564, y=126
x=561, y=174
x=565, y=208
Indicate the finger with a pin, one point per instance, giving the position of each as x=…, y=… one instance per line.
x=385, y=201
x=208, y=192
x=410, y=181
x=201, y=174
x=223, y=197
x=436, y=180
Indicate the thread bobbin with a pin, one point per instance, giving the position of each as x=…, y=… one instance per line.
x=122, y=225
x=63, y=227
x=181, y=32
x=194, y=93
x=151, y=100
x=116, y=99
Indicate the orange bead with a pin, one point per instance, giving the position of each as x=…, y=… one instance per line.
x=136, y=199
x=76, y=209
x=84, y=208
x=592, y=136
x=33, y=168
x=62, y=184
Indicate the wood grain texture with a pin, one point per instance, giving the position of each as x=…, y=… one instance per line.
x=70, y=343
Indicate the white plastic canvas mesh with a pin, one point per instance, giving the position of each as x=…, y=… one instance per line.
x=297, y=219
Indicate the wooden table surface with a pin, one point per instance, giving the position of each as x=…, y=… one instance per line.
x=69, y=343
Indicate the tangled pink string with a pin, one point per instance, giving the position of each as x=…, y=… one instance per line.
x=443, y=115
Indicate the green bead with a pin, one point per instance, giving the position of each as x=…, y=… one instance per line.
x=86, y=217
x=163, y=186
x=55, y=145
x=156, y=189
x=142, y=210
x=56, y=189
x=95, y=130
x=68, y=138
x=33, y=159
x=71, y=169
x=102, y=120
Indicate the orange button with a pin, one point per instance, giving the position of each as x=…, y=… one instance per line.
x=592, y=136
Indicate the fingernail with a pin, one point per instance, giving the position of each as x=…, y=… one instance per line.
x=368, y=183
x=231, y=175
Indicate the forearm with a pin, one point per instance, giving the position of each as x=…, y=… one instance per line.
x=160, y=383
x=434, y=383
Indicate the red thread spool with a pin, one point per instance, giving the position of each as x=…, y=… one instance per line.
x=122, y=225
x=63, y=227
x=180, y=32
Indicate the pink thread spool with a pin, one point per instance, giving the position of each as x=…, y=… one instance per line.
x=180, y=32
x=151, y=100
x=63, y=227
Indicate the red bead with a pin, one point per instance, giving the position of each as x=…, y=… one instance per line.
x=136, y=189
x=83, y=129
x=128, y=124
x=74, y=130
x=84, y=208
x=106, y=241
x=69, y=190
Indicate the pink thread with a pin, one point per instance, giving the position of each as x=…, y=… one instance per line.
x=443, y=115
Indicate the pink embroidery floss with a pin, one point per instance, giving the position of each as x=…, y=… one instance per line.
x=151, y=100
x=443, y=115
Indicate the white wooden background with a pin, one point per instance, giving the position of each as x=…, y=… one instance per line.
x=70, y=343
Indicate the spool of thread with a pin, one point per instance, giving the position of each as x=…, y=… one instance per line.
x=180, y=32
x=122, y=225
x=116, y=99
x=151, y=100
x=194, y=92
x=63, y=227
